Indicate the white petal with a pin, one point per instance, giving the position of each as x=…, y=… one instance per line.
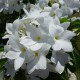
x=14, y=43
x=16, y=24
x=27, y=42
x=57, y=46
x=37, y=64
x=62, y=57
x=9, y=28
x=55, y=6
x=42, y=63
x=47, y=9
x=12, y=55
x=53, y=58
x=56, y=20
x=63, y=44
x=65, y=25
x=68, y=35
x=18, y=62
x=45, y=48
x=52, y=29
x=55, y=30
x=31, y=66
x=59, y=12
x=6, y=36
x=26, y=12
x=36, y=46
x=59, y=68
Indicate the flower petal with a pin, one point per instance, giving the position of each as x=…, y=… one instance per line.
x=59, y=68
x=9, y=28
x=36, y=46
x=63, y=44
x=40, y=63
x=65, y=25
x=27, y=42
x=12, y=55
x=18, y=62
x=68, y=35
x=14, y=43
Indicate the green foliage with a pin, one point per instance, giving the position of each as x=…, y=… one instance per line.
x=75, y=25
x=1, y=49
x=2, y=62
x=64, y=20
x=20, y=75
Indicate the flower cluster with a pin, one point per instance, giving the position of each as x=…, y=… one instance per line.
x=39, y=42
x=10, y=5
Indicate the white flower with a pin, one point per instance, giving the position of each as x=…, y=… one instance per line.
x=10, y=5
x=17, y=52
x=39, y=61
x=69, y=6
x=60, y=58
x=43, y=3
x=35, y=13
x=36, y=39
x=56, y=11
x=61, y=38
x=16, y=28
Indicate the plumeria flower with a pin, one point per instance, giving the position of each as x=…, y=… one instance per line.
x=60, y=58
x=61, y=37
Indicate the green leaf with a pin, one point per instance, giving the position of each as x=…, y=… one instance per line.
x=1, y=49
x=75, y=25
x=64, y=20
x=76, y=59
x=2, y=62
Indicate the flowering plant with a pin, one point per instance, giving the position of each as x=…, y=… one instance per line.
x=40, y=40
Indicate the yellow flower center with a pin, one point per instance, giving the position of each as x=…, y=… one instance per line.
x=56, y=37
x=36, y=54
x=38, y=38
x=23, y=50
x=53, y=14
x=43, y=5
